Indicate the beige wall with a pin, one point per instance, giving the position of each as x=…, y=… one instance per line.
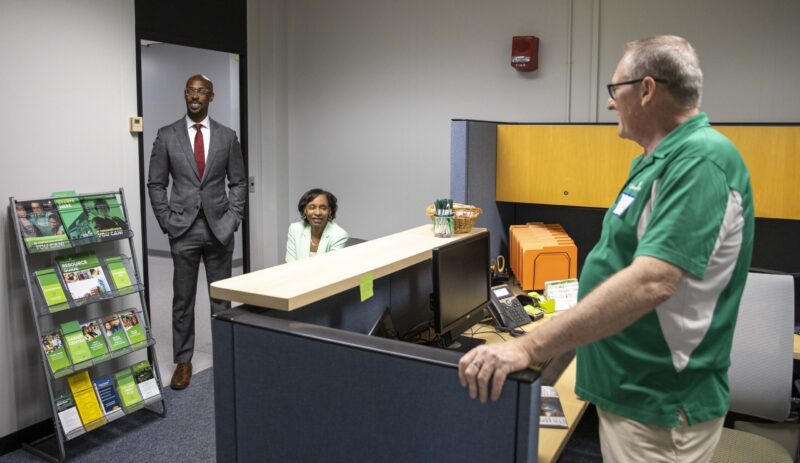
x=69, y=84
x=357, y=95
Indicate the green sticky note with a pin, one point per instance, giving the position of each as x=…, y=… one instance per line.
x=365, y=285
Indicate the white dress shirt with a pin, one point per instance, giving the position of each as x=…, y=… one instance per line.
x=206, y=133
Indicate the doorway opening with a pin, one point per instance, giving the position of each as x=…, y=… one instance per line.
x=164, y=70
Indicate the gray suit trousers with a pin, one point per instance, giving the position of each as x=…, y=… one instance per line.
x=187, y=250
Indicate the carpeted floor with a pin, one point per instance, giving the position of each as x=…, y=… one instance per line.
x=186, y=434
x=584, y=444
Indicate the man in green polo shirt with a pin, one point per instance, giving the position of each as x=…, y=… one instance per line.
x=659, y=293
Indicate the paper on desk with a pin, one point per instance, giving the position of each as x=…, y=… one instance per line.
x=564, y=292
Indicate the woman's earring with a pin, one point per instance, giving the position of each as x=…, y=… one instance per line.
x=303, y=217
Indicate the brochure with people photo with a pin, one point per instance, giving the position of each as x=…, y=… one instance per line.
x=75, y=342
x=40, y=226
x=115, y=333
x=134, y=330
x=94, y=339
x=105, y=215
x=83, y=275
x=74, y=218
x=53, y=346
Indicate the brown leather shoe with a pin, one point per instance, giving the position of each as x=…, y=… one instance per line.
x=182, y=376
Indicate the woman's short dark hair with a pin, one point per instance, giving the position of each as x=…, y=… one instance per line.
x=310, y=195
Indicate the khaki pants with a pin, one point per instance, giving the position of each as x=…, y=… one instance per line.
x=623, y=440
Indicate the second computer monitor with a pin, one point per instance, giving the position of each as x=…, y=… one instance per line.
x=460, y=285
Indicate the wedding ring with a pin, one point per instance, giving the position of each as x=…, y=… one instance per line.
x=477, y=364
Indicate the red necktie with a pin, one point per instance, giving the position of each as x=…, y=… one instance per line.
x=199, y=150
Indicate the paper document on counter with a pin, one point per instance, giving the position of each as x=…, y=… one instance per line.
x=564, y=292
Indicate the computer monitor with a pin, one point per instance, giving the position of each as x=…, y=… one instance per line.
x=460, y=286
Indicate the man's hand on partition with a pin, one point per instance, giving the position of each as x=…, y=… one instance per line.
x=485, y=368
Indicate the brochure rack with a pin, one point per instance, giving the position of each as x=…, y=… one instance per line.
x=44, y=254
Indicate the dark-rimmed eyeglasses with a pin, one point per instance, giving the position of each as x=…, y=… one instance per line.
x=189, y=91
x=612, y=88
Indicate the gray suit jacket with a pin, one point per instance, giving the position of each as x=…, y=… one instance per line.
x=173, y=156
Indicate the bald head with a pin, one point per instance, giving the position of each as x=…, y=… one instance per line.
x=200, y=77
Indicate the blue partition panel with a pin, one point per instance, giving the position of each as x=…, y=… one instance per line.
x=315, y=394
x=473, y=169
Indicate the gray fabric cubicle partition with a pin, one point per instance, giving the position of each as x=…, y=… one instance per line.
x=291, y=391
x=473, y=176
x=473, y=172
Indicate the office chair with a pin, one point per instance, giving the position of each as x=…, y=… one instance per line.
x=760, y=376
x=351, y=241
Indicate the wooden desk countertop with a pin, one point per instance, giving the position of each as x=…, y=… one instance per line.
x=551, y=440
x=296, y=284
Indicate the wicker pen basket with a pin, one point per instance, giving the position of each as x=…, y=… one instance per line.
x=464, y=216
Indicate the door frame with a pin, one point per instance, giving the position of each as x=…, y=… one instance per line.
x=227, y=33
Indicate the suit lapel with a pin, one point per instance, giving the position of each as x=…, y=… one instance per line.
x=182, y=134
x=216, y=144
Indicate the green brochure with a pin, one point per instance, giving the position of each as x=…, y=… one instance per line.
x=134, y=330
x=143, y=375
x=51, y=289
x=76, y=343
x=40, y=226
x=94, y=338
x=115, y=333
x=119, y=274
x=74, y=218
x=54, y=350
x=105, y=215
x=126, y=387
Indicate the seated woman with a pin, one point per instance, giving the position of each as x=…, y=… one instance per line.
x=316, y=233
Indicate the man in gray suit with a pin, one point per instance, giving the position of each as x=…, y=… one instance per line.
x=198, y=215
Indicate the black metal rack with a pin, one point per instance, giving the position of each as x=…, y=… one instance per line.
x=36, y=259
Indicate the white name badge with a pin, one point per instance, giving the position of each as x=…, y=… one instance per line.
x=625, y=200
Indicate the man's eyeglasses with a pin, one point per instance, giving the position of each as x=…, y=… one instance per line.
x=189, y=91
x=612, y=88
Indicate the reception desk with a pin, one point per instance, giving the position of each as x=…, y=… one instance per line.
x=296, y=284
x=296, y=378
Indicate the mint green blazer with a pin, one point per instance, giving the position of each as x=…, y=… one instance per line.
x=298, y=244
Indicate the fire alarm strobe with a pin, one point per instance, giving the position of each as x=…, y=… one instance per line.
x=525, y=53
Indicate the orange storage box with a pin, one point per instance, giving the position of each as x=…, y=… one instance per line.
x=541, y=252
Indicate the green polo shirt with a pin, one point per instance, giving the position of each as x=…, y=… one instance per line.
x=688, y=203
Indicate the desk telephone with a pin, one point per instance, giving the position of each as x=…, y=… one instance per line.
x=506, y=310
